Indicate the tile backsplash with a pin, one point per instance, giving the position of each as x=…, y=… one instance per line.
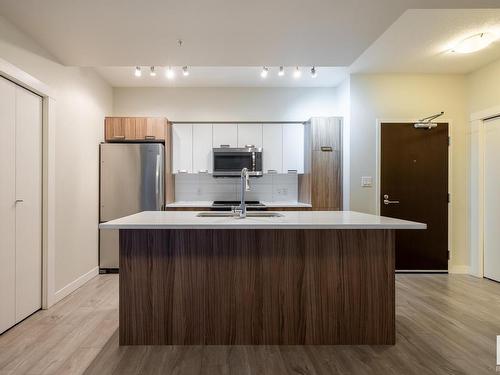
x=204, y=187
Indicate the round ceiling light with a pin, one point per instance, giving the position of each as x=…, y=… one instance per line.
x=474, y=43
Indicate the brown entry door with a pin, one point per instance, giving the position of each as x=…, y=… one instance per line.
x=414, y=186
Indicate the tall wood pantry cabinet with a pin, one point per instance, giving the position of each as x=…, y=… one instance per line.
x=321, y=183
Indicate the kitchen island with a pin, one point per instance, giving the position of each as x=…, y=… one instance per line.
x=306, y=277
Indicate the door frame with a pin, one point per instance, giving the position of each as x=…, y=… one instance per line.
x=30, y=83
x=475, y=188
x=378, y=140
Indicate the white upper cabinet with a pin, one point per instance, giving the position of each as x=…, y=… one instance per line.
x=202, y=148
x=249, y=135
x=293, y=148
x=225, y=135
x=182, y=148
x=272, y=143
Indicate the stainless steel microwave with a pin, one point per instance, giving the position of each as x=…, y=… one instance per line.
x=228, y=162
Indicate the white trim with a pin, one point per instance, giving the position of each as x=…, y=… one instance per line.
x=23, y=79
x=74, y=285
x=489, y=112
x=459, y=269
x=476, y=188
x=450, y=173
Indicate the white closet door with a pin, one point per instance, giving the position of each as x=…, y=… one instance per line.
x=492, y=199
x=28, y=207
x=7, y=205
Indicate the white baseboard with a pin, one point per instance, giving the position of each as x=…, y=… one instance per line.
x=459, y=269
x=74, y=285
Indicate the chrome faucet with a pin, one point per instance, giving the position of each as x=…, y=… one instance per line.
x=245, y=186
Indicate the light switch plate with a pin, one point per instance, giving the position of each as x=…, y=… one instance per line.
x=366, y=181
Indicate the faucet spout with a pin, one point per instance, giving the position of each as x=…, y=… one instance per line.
x=245, y=186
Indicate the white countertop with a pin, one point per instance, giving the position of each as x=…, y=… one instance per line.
x=290, y=220
x=207, y=204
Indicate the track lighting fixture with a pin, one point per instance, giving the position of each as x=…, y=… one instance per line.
x=314, y=73
x=170, y=73
x=297, y=73
x=138, y=71
x=152, y=71
x=264, y=72
x=281, y=72
x=185, y=71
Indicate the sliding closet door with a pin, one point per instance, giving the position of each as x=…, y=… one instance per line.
x=28, y=203
x=492, y=199
x=7, y=205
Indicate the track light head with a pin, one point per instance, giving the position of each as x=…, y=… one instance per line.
x=138, y=71
x=264, y=72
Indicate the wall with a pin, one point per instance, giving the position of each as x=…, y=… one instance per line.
x=409, y=97
x=483, y=88
x=226, y=104
x=82, y=101
x=268, y=188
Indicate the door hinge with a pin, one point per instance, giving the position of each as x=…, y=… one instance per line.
x=449, y=255
x=449, y=141
x=449, y=198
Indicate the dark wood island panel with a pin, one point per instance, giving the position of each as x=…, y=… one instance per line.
x=257, y=286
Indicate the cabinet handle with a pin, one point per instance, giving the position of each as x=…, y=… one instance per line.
x=19, y=200
x=182, y=171
x=249, y=146
x=119, y=137
x=203, y=171
x=292, y=171
x=272, y=171
x=149, y=137
x=225, y=146
x=326, y=148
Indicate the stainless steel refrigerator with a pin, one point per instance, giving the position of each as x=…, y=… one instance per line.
x=131, y=181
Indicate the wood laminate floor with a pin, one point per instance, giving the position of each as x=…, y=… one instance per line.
x=445, y=325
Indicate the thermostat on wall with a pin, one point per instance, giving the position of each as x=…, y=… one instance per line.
x=366, y=181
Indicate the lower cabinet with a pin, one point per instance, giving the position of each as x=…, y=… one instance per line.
x=326, y=181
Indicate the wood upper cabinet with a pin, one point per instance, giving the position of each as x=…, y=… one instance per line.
x=118, y=129
x=326, y=133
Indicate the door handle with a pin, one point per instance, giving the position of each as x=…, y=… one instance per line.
x=387, y=201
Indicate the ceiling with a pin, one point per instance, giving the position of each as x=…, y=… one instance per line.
x=420, y=42
x=215, y=32
x=227, y=76
x=227, y=42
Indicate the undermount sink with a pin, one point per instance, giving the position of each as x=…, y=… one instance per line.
x=232, y=214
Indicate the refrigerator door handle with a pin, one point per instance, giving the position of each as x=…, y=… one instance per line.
x=158, y=181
